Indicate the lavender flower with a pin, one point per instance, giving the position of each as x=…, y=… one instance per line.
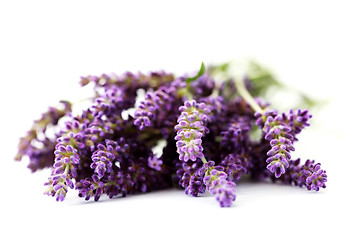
x=149, y=108
x=309, y=175
x=118, y=183
x=38, y=145
x=190, y=129
x=216, y=183
x=129, y=81
x=104, y=157
x=111, y=102
x=235, y=166
x=297, y=121
x=104, y=150
x=159, y=110
x=216, y=105
x=236, y=134
x=192, y=178
x=122, y=169
x=91, y=188
x=184, y=171
x=278, y=133
x=143, y=178
x=203, y=85
x=316, y=178
x=41, y=156
x=281, y=131
x=65, y=167
x=261, y=117
x=155, y=163
x=196, y=185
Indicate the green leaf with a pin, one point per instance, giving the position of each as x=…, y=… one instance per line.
x=200, y=73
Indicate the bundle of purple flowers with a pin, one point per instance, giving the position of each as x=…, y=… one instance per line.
x=207, y=128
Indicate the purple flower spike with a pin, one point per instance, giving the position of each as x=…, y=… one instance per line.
x=235, y=166
x=41, y=150
x=317, y=178
x=91, y=188
x=108, y=150
x=297, y=121
x=278, y=133
x=281, y=130
x=262, y=117
x=196, y=185
x=236, y=134
x=190, y=128
x=148, y=109
x=217, y=184
x=309, y=175
x=191, y=177
x=104, y=157
x=203, y=85
x=65, y=168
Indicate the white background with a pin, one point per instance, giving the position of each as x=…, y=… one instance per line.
x=311, y=45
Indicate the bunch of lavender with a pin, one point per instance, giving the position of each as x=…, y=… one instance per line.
x=206, y=127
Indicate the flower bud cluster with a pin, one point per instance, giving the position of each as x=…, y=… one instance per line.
x=309, y=175
x=64, y=168
x=217, y=184
x=190, y=129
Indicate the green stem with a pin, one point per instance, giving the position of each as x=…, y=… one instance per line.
x=203, y=159
x=240, y=86
x=188, y=94
x=67, y=168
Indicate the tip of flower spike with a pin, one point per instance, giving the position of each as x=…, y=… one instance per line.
x=60, y=195
x=217, y=184
x=277, y=168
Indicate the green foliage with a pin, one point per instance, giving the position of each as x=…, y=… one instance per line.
x=200, y=73
x=260, y=79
